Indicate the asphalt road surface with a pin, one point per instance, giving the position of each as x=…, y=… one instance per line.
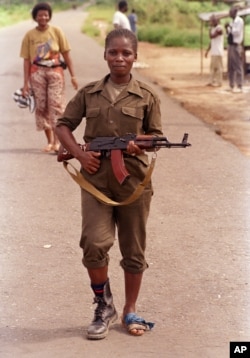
x=196, y=289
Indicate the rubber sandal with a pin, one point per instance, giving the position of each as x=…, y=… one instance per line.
x=134, y=323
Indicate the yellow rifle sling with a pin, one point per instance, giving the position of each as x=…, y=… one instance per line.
x=84, y=184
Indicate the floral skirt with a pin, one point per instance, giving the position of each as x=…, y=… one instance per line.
x=48, y=86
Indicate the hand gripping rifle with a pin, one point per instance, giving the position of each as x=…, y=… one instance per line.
x=114, y=146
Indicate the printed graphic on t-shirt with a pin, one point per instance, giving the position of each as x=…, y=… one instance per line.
x=43, y=51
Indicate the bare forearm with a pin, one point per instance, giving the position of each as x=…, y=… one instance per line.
x=67, y=140
x=89, y=160
x=69, y=63
x=26, y=71
x=67, y=59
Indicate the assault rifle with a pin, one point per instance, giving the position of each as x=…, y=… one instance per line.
x=113, y=147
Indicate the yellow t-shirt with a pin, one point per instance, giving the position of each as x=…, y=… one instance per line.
x=44, y=45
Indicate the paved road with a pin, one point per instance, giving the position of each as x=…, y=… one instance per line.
x=197, y=286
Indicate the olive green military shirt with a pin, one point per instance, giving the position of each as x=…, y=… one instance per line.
x=136, y=110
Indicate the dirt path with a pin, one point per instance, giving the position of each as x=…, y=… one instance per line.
x=178, y=71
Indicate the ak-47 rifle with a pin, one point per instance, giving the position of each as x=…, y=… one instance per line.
x=113, y=147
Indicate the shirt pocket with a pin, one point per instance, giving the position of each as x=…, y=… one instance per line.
x=131, y=120
x=93, y=128
x=134, y=112
x=92, y=112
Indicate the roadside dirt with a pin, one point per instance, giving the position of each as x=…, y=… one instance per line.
x=184, y=75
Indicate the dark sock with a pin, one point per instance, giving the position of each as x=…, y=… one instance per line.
x=98, y=289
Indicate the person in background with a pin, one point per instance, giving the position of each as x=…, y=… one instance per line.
x=120, y=20
x=133, y=21
x=43, y=71
x=235, y=33
x=114, y=106
x=216, y=48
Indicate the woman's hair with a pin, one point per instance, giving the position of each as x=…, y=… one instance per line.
x=122, y=33
x=41, y=6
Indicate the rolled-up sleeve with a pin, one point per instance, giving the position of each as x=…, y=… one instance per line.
x=74, y=112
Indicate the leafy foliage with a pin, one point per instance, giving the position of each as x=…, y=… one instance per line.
x=166, y=22
x=13, y=11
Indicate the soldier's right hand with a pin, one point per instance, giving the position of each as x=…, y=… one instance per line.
x=90, y=161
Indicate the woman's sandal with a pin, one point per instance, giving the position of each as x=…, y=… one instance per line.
x=135, y=325
x=56, y=147
x=48, y=148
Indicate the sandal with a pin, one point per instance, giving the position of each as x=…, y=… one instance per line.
x=48, y=148
x=135, y=325
x=56, y=147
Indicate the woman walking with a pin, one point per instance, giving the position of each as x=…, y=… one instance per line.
x=43, y=71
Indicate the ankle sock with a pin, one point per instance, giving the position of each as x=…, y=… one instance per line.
x=98, y=289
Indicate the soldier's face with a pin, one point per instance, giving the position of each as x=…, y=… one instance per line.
x=120, y=56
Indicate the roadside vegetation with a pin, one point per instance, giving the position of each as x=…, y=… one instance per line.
x=12, y=12
x=172, y=23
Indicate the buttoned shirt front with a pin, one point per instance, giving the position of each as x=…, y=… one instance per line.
x=136, y=110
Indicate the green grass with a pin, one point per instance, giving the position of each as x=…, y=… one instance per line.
x=172, y=23
x=99, y=22
x=169, y=37
x=10, y=15
x=247, y=35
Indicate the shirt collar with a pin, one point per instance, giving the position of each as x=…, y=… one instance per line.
x=133, y=86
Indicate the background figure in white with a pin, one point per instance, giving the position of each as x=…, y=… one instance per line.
x=120, y=20
x=216, y=48
x=235, y=34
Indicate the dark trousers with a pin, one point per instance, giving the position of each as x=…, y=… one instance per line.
x=235, y=65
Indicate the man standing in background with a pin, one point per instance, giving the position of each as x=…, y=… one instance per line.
x=235, y=33
x=120, y=20
x=133, y=21
x=216, y=48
